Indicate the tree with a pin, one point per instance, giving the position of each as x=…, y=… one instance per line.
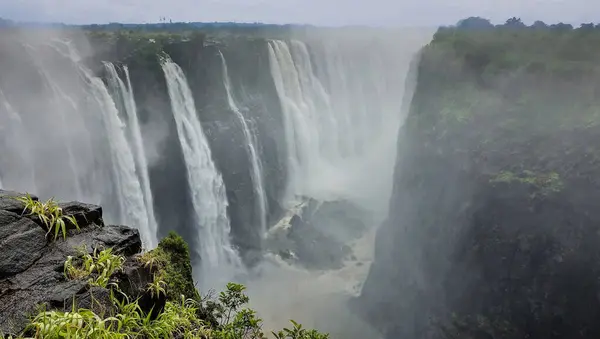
x=514, y=22
x=474, y=22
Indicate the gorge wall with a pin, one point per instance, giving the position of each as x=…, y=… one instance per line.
x=493, y=223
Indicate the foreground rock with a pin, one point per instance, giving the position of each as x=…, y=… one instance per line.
x=31, y=266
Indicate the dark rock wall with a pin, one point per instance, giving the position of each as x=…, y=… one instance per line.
x=492, y=230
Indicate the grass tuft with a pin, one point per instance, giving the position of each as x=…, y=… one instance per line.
x=50, y=214
x=101, y=265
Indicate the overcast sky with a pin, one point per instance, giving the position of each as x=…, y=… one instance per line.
x=320, y=12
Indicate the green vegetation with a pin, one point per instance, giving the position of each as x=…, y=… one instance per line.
x=157, y=287
x=185, y=314
x=50, y=214
x=100, y=265
x=479, y=74
x=180, y=319
x=172, y=261
x=546, y=183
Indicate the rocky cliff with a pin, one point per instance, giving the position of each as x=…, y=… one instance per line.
x=493, y=224
x=33, y=269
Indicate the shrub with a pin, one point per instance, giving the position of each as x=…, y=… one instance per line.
x=178, y=320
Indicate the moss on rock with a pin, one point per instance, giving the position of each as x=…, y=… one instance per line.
x=172, y=258
x=545, y=183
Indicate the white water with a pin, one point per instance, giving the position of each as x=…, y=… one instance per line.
x=256, y=167
x=135, y=138
x=219, y=260
x=11, y=127
x=129, y=191
x=66, y=140
x=341, y=137
x=133, y=209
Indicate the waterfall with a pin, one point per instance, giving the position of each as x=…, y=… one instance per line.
x=129, y=192
x=219, y=260
x=133, y=209
x=66, y=139
x=11, y=127
x=337, y=135
x=256, y=167
x=287, y=89
x=135, y=137
x=304, y=103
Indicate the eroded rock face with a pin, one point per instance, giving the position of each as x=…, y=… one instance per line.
x=31, y=267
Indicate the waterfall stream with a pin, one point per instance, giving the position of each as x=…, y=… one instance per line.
x=135, y=138
x=255, y=164
x=219, y=259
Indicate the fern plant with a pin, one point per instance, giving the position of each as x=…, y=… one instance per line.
x=50, y=214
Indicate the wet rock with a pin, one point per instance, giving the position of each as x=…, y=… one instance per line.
x=85, y=214
x=9, y=203
x=31, y=266
x=95, y=298
x=133, y=282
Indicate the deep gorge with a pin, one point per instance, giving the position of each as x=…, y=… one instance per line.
x=419, y=185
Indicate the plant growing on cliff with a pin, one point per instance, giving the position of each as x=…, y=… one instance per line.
x=171, y=259
x=50, y=214
x=80, y=323
x=157, y=287
x=180, y=319
x=102, y=264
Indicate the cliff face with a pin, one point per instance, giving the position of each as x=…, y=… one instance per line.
x=493, y=225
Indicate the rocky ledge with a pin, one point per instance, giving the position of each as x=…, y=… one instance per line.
x=32, y=266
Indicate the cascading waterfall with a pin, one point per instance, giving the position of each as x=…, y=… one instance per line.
x=133, y=209
x=335, y=133
x=288, y=89
x=219, y=260
x=70, y=142
x=310, y=131
x=130, y=195
x=139, y=153
x=256, y=167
